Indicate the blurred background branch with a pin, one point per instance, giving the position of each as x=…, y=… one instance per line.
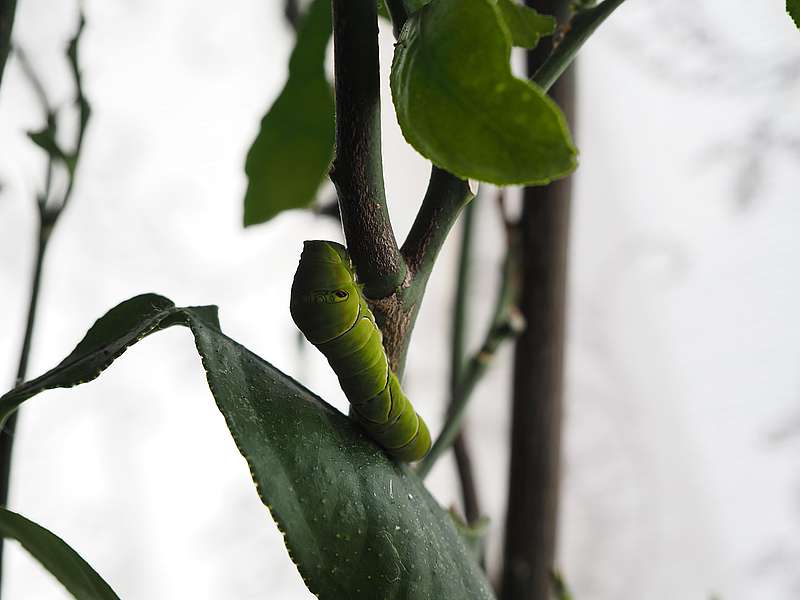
x=291, y=10
x=7, y=10
x=537, y=399
x=51, y=204
x=458, y=333
x=505, y=324
x=357, y=169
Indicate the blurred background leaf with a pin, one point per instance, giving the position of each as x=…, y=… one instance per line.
x=294, y=147
x=75, y=574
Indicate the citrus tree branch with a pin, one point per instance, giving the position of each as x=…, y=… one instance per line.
x=357, y=170
x=444, y=199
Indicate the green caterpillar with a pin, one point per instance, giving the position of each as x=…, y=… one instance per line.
x=328, y=307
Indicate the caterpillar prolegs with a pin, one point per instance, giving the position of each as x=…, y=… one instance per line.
x=329, y=308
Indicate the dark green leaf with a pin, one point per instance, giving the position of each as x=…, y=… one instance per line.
x=793, y=8
x=358, y=525
x=525, y=24
x=460, y=106
x=56, y=556
x=293, y=150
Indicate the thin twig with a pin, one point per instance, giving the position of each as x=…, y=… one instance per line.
x=49, y=213
x=84, y=109
x=505, y=324
x=357, y=169
x=36, y=280
x=50, y=117
x=33, y=79
x=466, y=476
x=22, y=368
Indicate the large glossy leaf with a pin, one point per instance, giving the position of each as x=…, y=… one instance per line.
x=793, y=8
x=358, y=525
x=293, y=150
x=56, y=556
x=525, y=25
x=459, y=105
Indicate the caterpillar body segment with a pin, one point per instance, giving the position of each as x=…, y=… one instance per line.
x=328, y=307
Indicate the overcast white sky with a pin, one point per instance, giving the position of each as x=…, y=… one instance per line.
x=684, y=335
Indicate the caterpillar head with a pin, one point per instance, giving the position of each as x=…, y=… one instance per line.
x=325, y=298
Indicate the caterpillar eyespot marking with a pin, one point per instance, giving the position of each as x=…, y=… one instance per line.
x=328, y=307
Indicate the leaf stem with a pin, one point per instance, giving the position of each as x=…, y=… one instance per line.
x=357, y=170
x=444, y=199
x=41, y=249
